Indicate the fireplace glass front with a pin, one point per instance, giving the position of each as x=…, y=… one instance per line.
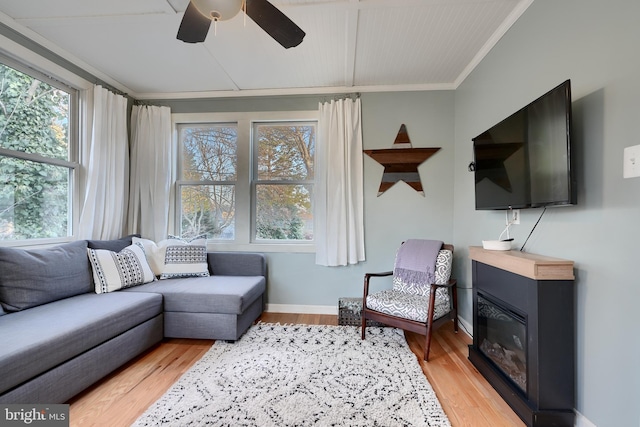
x=502, y=337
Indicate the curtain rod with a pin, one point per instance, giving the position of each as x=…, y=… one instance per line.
x=338, y=97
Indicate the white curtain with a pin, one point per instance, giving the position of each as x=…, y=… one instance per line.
x=151, y=166
x=339, y=214
x=107, y=179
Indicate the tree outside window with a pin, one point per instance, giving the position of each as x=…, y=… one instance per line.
x=35, y=168
x=284, y=180
x=207, y=185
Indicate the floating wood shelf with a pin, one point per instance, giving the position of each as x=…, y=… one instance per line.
x=537, y=267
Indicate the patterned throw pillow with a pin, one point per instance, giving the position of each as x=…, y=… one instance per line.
x=175, y=257
x=119, y=270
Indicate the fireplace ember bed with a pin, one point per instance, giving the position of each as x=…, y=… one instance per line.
x=523, y=332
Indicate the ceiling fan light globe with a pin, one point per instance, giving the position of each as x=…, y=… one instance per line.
x=218, y=10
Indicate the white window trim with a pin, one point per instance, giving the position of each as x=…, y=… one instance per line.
x=245, y=122
x=29, y=62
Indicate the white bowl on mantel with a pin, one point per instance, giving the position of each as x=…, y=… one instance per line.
x=496, y=245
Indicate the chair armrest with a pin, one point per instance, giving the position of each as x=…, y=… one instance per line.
x=451, y=283
x=368, y=276
x=453, y=291
x=384, y=273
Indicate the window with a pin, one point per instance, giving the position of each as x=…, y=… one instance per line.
x=37, y=152
x=283, y=180
x=208, y=181
x=246, y=178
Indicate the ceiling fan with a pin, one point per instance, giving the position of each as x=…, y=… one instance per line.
x=200, y=13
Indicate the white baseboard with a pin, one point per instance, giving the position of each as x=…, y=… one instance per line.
x=466, y=326
x=302, y=309
x=333, y=310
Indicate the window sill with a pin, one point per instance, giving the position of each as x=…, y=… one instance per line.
x=262, y=247
x=36, y=243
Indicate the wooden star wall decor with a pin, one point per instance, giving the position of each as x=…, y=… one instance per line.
x=401, y=162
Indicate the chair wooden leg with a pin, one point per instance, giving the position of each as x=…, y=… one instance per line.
x=427, y=344
x=364, y=305
x=432, y=304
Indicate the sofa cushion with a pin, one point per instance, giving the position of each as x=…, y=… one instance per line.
x=174, y=257
x=237, y=263
x=115, y=245
x=118, y=270
x=34, y=277
x=64, y=329
x=213, y=294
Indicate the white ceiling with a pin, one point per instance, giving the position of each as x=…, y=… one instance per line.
x=350, y=46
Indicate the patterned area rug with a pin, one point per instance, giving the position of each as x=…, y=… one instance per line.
x=302, y=375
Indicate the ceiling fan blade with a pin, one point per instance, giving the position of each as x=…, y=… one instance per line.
x=275, y=23
x=194, y=26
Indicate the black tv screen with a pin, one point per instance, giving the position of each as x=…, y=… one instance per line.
x=525, y=160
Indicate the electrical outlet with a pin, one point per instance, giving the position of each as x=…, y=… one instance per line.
x=631, y=166
x=511, y=217
x=515, y=216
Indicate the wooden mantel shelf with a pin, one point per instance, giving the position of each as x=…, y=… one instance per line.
x=537, y=267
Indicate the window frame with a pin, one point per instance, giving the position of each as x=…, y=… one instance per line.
x=245, y=208
x=255, y=181
x=76, y=103
x=180, y=182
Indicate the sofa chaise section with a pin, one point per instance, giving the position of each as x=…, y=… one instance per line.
x=76, y=340
x=220, y=307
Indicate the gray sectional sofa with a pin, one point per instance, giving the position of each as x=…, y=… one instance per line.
x=59, y=336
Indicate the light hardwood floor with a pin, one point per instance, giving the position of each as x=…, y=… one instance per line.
x=119, y=399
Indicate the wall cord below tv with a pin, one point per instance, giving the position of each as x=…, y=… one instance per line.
x=534, y=227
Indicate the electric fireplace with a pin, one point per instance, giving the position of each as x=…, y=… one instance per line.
x=523, y=332
x=502, y=334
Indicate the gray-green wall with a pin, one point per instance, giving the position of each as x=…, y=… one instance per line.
x=596, y=44
x=398, y=214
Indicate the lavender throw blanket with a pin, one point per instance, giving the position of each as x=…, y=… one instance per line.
x=415, y=264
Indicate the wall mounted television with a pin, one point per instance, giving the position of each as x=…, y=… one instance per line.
x=525, y=161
